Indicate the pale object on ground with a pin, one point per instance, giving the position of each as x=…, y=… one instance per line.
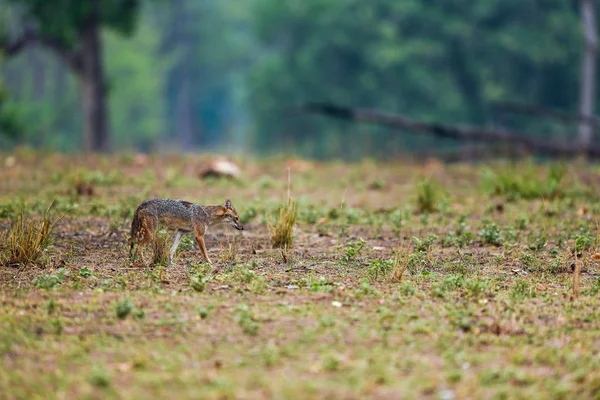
x=220, y=168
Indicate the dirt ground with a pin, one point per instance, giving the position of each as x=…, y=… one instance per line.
x=405, y=280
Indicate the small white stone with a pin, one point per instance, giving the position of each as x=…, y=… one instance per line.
x=336, y=304
x=447, y=394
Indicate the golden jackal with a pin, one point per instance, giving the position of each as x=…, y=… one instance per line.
x=181, y=215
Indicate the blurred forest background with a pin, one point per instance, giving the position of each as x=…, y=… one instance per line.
x=223, y=75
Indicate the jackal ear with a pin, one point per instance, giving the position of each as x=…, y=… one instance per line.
x=228, y=204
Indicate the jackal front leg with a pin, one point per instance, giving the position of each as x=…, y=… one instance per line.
x=200, y=241
x=175, y=245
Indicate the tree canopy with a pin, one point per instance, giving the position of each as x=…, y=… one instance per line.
x=215, y=74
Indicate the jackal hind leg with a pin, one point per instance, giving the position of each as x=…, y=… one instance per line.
x=146, y=234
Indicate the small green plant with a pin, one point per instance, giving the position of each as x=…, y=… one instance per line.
x=398, y=219
x=450, y=283
x=525, y=182
x=51, y=306
x=247, y=321
x=198, y=283
x=331, y=363
x=530, y=261
x=49, y=281
x=319, y=285
x=309, y=215
x=522, y=290
x=424, y=245
x=353, y=250
x=202, y=312
x=244, y=275
x=490, y=234
x=582, y=241
x=476, y=288
x=407, y=289
x=100, y=377
x=186, y=243
x=124, y=308
x=428, y=196
x=282, y=231
x=377, y=184
x=381, y=269
x=537, y=242
x=85, y=272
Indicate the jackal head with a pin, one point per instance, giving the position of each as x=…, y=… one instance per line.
x=230, y=215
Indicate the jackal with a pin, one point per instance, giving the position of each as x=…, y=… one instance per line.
x=181, y=215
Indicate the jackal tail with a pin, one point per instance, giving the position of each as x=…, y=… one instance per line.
x=136, y=224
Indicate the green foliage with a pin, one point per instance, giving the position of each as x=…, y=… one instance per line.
x=85, y=272
x=491, y=234
x=353, y=250
x=525, y=182
x=137, y=73
x=124, y=308
x=67, y=26
x=49, y=281
x=247, y=321
x=428, y=196
x=439, y=56
x=380, y=269
x=240, y=60
x=424, y=245
x=522, y=289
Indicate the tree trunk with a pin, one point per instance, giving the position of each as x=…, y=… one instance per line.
x=588, y=74
x=93, y=85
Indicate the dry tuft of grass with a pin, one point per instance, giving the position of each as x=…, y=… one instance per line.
x=281, y=232
x=400, y=265
x=26, y=241
x=229, y=250
x=160, y=248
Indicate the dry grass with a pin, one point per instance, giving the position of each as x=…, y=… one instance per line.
x=229, y=250
x=281, y=232
x=26, y=241
x=400, y=264
x=160, y=248
x=323, y=318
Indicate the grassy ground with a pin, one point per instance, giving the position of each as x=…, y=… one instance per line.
x=404, y=281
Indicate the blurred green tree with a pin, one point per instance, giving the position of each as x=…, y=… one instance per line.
x=443, y=61
x=72, y=29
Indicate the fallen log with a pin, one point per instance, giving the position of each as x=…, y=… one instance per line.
x=458, y=132
x=540, y=111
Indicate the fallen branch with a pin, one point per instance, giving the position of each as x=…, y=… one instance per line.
x=463, y=133
x=529, y=109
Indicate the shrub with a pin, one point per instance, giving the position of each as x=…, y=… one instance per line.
x=282, y=231
x=525, y=183
x=160, y=248
x=353, y=250
x=381, y=269
x=428, y=196
x=26, y=241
